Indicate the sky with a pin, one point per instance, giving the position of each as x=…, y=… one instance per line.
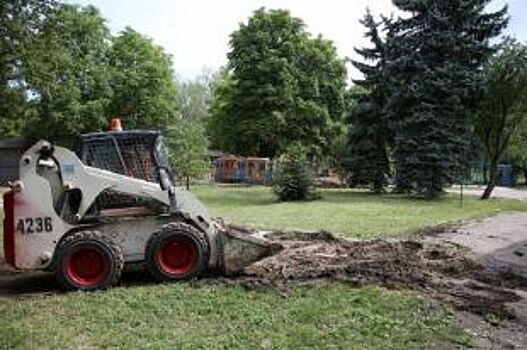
x=196, y=32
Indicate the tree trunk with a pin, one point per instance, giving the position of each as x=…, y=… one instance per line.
x=188, y=182
x=378, y=183
x=492, y=181
x=432, y=193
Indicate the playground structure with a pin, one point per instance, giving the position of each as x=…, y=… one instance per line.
x=234, y=169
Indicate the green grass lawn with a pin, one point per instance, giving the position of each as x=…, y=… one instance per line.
x=354, y=213
x=182, y=315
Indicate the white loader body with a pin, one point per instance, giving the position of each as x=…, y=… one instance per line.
x=84, y=222
x=38, y=227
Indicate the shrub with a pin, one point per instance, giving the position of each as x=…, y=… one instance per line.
x=293, y=176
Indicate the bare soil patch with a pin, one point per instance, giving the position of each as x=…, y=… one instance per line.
x=441, y=271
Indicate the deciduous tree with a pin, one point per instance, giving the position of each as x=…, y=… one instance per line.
x=284, y=86
x=220, y=120
x=187, y=134
x=516, y=152
x=20, y=20
x=504, y=105
x=68, y=75
x=143, y=83
x=188, y=149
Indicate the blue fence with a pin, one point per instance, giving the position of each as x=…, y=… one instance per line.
x=478, y=174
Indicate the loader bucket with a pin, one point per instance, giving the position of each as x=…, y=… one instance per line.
x=241, y=248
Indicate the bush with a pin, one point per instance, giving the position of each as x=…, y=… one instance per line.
x=293, y=176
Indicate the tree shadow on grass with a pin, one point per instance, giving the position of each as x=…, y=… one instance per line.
x=257, y=197
x=248, y=196
x=364, y=196
x=20, y=284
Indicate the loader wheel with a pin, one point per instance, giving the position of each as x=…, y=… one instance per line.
x=176, y=252
x=86, y=260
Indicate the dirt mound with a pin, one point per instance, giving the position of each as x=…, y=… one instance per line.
x=437, y=270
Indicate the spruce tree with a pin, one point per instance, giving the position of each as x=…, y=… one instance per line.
x=294, y=178
x=435, y=55
x=367, y=159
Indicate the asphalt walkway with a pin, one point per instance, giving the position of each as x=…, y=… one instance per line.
x=498, y=192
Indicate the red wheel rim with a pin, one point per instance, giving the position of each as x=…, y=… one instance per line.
x=177, y=256
x=88, y=266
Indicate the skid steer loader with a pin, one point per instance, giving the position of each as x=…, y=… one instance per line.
x=85, y=214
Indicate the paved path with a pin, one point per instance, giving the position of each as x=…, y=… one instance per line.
x=499, y=243
x=498, y=192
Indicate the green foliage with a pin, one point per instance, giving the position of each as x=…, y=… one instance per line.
x=63, y=74
x=68, y=76
x=219, y=128
x=77, y=77
x=144, y=90
x=293, y=178
x=504, y=106
x=186, y=136
x=366, y=157
x=188, y=149
x=20, y=20
x=195, y=98
x=283, y=87
x=516, y=153
x=435, y=53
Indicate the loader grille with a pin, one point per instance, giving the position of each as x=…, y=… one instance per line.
x=129, y=153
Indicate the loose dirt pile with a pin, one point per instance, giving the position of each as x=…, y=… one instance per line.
x=440, y=271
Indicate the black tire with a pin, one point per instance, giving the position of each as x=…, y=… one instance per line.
x=87, y=260
x=177, y=252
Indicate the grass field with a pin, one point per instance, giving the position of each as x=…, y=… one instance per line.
x=357, y=214
x=180, y=316
x=210, y=316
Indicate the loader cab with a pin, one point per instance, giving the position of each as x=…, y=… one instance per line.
x=141, y=154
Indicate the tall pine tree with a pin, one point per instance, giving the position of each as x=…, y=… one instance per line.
x=367, y=158
x=435, y=54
